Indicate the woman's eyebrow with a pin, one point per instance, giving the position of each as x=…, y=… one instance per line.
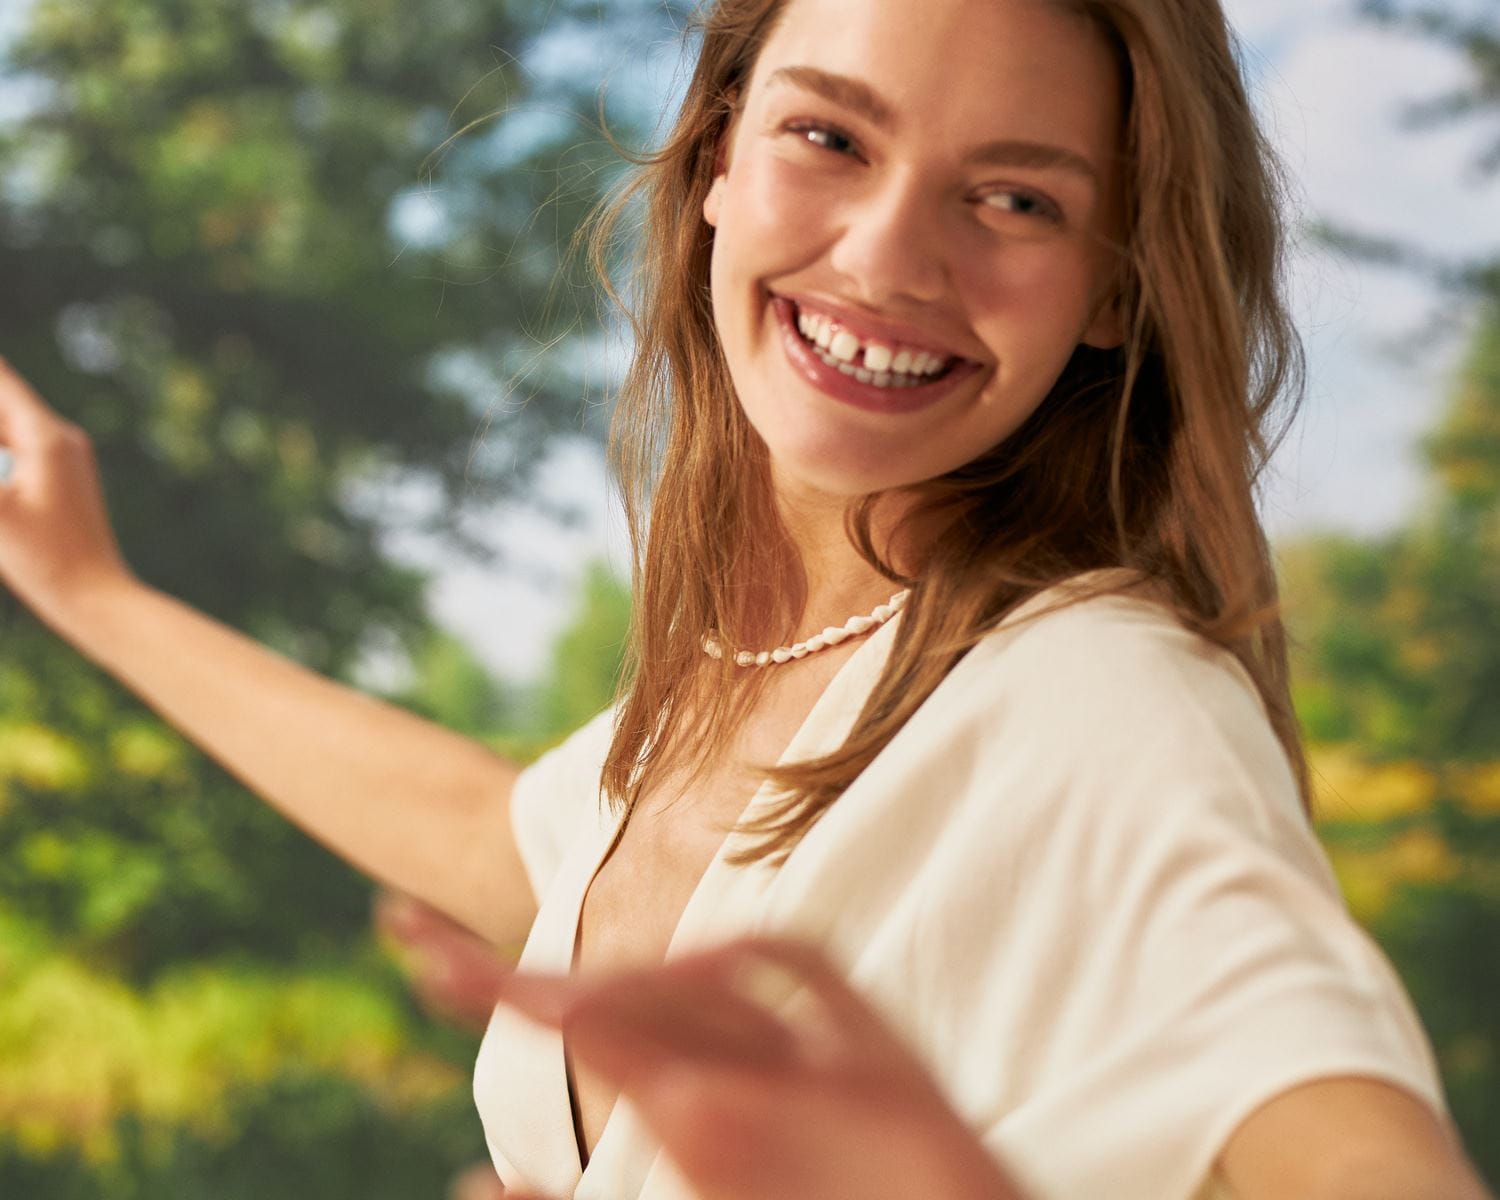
x=861, y=99
x=844, y=90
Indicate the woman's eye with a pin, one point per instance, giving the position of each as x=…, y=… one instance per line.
x=1026, y=204
x=824, y=136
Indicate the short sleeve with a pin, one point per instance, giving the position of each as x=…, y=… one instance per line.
x=1158, y=943
x=1219, y=977
x=555, y=799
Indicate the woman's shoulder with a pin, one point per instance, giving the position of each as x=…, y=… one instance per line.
x=1080, y=636
x=556, y=798
x=582, y=750
x=1108, y=704
x=1101, y=678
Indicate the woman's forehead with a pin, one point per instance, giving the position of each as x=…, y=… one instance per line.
x=1012, y=68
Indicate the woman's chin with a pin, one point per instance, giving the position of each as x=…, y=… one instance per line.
x=837, y=474
x=838, y=451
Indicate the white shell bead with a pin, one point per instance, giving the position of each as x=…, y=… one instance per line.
x=762, y=658
x=859, y=624
x=883, y=613
x=780, y=654
x=745, y=658
x=799, y=650
x=816, y=642
x=834, y=634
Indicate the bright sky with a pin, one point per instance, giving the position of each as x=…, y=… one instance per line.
x=1330, y=90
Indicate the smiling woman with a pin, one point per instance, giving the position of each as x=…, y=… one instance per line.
x=915, y=223
x=1061, y=223
x=961, y=318
x=911, y=225
x=979, y=300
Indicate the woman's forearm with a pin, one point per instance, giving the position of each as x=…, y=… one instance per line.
x=402, y=799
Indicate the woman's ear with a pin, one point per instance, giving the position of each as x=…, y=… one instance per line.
x=714, y=201
x=1107, y=330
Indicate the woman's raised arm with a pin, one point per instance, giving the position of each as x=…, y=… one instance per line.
x=402, y=799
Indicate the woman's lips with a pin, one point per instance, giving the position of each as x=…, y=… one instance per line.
x=846, y=388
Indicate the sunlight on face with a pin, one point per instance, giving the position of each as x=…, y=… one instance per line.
x=938, y=181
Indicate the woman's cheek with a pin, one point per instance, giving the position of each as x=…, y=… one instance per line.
x=1050, y=284
x=787, y=195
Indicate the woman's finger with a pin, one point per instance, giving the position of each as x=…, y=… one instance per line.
x=405, y=919
x=638, y=1039
x=23, y=414
x=759, y=959
x=454, y=972
x=722, y=1076
x=632, y=1023
x=754, y=1001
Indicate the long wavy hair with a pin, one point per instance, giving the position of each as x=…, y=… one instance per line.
x=1178, y=422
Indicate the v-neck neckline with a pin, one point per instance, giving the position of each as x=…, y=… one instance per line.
x=811, y=729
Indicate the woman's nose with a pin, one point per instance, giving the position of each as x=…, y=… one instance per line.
x=890, y=247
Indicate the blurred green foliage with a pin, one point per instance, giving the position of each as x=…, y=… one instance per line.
x=197, y=240
x=587, y=658
x=1398, y=662
x=285, y=260
x=225, y=1075
x=1397, y=669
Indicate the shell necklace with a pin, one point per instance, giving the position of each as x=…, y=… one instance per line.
x=831, y=636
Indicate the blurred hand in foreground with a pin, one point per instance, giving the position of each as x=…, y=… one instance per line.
x=761, y=1072
x=455, y=973
x=766, y=1077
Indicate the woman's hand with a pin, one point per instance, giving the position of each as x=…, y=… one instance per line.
x=814, y=1101
x=55, y=536
x=455, y=973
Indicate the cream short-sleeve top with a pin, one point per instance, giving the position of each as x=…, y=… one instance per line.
x=1079, y=882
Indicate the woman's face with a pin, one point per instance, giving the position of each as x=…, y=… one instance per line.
x=913, y=230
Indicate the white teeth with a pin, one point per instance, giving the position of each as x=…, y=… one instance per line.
x=880, y=364
x=880, y=379
x=844, y=346
x=815, y=328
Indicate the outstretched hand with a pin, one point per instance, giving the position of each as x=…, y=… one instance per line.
x=765, y=1076
x=55, y=535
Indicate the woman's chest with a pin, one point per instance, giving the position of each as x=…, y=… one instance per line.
x=634, y=905
x=635, y=902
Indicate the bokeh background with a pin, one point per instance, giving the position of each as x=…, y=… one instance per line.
x=301, y=267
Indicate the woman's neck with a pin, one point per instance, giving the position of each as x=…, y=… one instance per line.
x=840, y=583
